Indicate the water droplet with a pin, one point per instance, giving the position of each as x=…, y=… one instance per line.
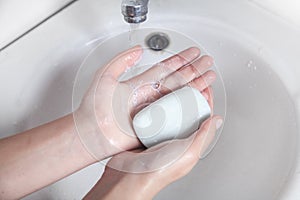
x=134, y=98
x=156, y=85
x=249, y=64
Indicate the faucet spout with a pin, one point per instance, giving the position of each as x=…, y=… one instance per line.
x=135, y=11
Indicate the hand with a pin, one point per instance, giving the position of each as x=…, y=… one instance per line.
x=115, y=184
x=103, y=119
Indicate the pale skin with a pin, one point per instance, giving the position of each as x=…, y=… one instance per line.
x=38, y=157
x=115, y=184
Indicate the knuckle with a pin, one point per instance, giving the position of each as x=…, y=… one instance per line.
x=193, y=71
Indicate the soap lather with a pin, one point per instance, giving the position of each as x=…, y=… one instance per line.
x=174, y=116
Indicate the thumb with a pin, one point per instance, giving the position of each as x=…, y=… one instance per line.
x=205, y=135
x=123, y=61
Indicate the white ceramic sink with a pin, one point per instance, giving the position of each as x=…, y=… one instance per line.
x=256, y=53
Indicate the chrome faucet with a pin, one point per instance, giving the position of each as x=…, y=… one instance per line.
x=135, y=11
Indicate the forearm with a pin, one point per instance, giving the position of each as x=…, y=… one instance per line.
x=43, y=155
x=39, y=157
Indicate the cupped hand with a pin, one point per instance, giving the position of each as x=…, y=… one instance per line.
x=104, y=118
x=116, y=184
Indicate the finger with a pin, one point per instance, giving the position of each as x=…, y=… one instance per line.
x=188, y=73
x=200, y=141
x=195, y=69
x=153, y=94
x=170, y=65
x=205, y=135
x=199, y=83
x=203, y=81
x=209, y=96
x=123, y=61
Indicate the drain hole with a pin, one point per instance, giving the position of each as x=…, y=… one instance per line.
x=157, y=41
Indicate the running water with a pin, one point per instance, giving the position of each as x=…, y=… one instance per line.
x=132, y=30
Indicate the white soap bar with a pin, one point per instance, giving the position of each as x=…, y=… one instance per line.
x=174, y=116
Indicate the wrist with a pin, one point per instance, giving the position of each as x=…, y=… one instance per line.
x=79, y=150
x=100, y=137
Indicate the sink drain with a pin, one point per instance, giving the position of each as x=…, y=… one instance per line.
x=158, y=41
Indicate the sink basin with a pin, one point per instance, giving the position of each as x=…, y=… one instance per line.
x=257, y=154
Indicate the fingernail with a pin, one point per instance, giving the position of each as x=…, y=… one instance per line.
x=219, y=123
x=209, y=60
x=195, y=51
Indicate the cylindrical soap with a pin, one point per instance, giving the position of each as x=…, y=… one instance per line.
x=174, y=116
